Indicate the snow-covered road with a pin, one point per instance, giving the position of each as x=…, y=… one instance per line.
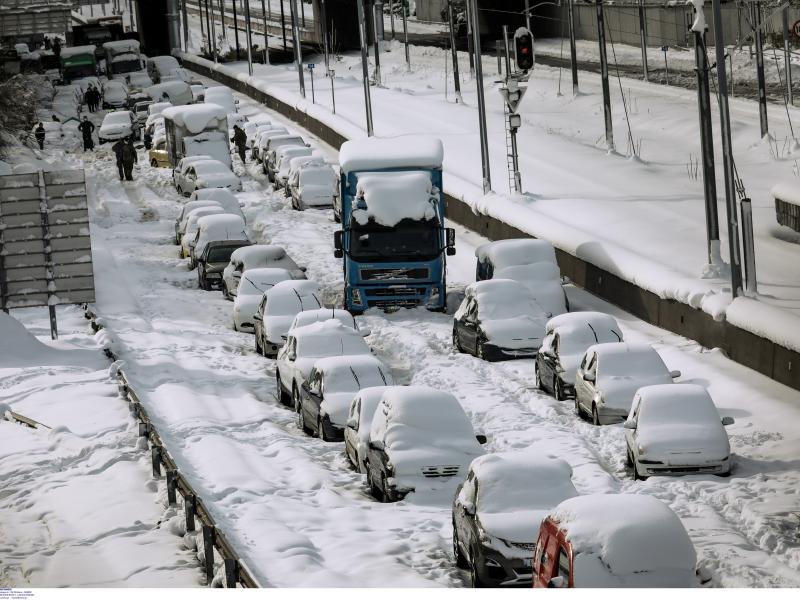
x=290, y=505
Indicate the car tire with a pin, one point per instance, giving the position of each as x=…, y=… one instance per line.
x=558, y=389
x=180, y=191
x=385, y=493
x=595, y=416
x=636, y=476
x=283, y=397
x=336, y=217
x=374, y=490
x=459, y=559
x=479, y=350
x=578, y=410
x=301, y=423
x=295, y=398
x=259, y=349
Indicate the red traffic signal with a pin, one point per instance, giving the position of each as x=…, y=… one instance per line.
x=523, y=49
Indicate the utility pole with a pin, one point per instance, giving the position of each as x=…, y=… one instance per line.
x=222, y=21
x=643, y=35
x=470, y=49
x=213, y=28
x=362, y=29
x=706, y=138
x=236, y=29
x=298, y=57
x=391, y=16
x=528, y=14
x=202, y=29
x=601, y=36
x=185, y=26
x=755, y=13
x=377, y=44
x=787, y=54
x=573, y=55
x=476, y=40
x=283, y=24
x=266, y=32
x=325, y=48
x=249, y=33
x=727, y=156
x=456, y=76
x=405, y=34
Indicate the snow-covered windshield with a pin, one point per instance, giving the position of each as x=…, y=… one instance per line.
x=679, y=409
x=204, y=168
x=635, y=363
x=126, y=65
x=408, y=240
x=118, y=118
x=317, y=176
x=349, y=380
x=288, y=304
x=576, y=342
x=327, y=344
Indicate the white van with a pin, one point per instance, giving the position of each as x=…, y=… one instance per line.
x=158, y=66
x=177, y=92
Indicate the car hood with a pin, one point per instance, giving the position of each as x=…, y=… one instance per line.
x=217, y=179
x=520, y=526
x=409, y=462
x=618, y=392
x=691, y=442
x=337, y=407
x=246, y=305
x=114, y=128
x=518, y=332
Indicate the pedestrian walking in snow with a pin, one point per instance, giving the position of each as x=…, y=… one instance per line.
x=39, y=134
x=240, y=141
x=129, y=158
x=86, y=128
x=117, y=148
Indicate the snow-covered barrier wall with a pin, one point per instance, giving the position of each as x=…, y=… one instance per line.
x=750, y=332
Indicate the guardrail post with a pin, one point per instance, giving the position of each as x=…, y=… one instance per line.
x=155, y=453
x=231, y=572
x=209, y=533
x=189, y=506
x=172, y=484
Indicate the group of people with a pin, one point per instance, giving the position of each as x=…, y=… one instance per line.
x=92, y=98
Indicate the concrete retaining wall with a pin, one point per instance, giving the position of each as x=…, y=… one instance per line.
x=760, y=354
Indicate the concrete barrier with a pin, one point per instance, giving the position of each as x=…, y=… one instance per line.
x=760, y=354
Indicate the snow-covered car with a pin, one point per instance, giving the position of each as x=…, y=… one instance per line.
x=117, y=125
x=207, y=174
x=275, y=314
x=140, y=110
x=497, y=512
x=198, y=92
x=419, y=438
x=543, y=279
x=157, y=155
x=186, y=211
x=156, y=108
x=179, y=74
x=252, y=287
x=609, y=376
x=566, y=339
x=499, y=319
x=283, y=158
x=326, y=396
x=252, y=126
x=359, y=421
x=269, y=154
x=307, y=317
x=253, y=257
x=299, y=162
x=184, y=163
x=213, y=259
x=313, y=185
x=305, y=345
x=192, y=226
x=676, y=430
x=138, y=80
x=263, y=136
x=115, y=94
x=613, y=541
x=501, y=254
x=224, y=197
x=222, y=96
x=176, y=92
x=216, y=228
x=158, y=66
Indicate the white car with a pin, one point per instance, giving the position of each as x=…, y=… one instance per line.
x=216, y=228
x=115, y=94
x=566, y=339
x=183, y=216
x=420, y=438
x=198, y=92
x=501, y=254
x=269, y=154
x=178, y=74
x=117, y=125
x=252, y=126
x=499, y=319
x=277, y=310
x=676, y=430
x=283, y=159
x=543, y=279
x=262, y=139
x=609, y=376
x=184, y=163
x=359, y=421
x=326, y=396
x=190, y=229
x=317, y=315
x=138, y=80
x=313, y=185
x=221, y=96
x=307, y=344
x=253, y=257
x=156, y=108
x=497, y=512
x=224, y=197
x=252, y=287
x=207, y=174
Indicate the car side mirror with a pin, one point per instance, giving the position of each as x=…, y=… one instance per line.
x=482, y=439
x=629, y=424
x=284, y=337
x=258, y=318
x=557, y=582
x=337, y=244
x=303, y=269
x=675, y=374
x=589, y=377
x=727, y=421
x=352, y=423
x=450, y=251
x=469, y=508
x=365, y=332
x=338, y=254
x=376, y=444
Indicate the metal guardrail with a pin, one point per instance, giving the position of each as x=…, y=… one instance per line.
x=236, y=570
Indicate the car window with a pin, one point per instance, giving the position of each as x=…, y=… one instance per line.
x=592, y=367
x=355, y=411
x=556, y=340
x=262, y=305
x=316, y=382
x=563, y=564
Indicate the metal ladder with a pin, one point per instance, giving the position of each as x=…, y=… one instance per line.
x=509, y=154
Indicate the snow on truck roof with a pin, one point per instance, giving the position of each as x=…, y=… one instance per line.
x=506, y=253
x=122, y=46
x=630, y=533
x=75, y=50
x=392, y=199
x=195, y=117
x=410, y=151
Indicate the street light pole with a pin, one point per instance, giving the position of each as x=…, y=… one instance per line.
x=266, y=32
x=298, y=57
x=476, y=37
x=376, y=39
x=249, y=33
x=456, y=77
x=573, y=54
x=601, y=37
x=362, y=29
x=405, y=34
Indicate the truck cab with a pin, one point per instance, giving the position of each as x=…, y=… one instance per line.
x=393, y=241
x=197, y=129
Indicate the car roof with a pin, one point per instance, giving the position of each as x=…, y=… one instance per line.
x=266, y=275
x=596, y=320
x=332, y=327
x=523, y=251
x=619, y=348
x=357, y=362
x=267, y=251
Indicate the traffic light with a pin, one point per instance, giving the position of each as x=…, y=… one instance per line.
x=523, y=49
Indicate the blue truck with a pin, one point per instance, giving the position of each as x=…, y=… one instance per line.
x=393, y=241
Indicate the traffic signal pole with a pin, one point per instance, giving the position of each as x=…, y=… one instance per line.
x=476, y=39
x=601, y=37
x=362, y=29
x=456, y=77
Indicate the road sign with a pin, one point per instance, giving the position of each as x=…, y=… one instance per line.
x=311, y=66
x=796, y=29
x=512, y=95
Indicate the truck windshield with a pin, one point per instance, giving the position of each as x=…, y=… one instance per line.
x=78, y=71
x=126, y=66
x=408, y=240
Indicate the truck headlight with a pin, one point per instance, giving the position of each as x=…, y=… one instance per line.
x=435, y=298
x=357, y=296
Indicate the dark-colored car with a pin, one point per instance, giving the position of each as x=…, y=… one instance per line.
x=213, y=260
x=497, y=511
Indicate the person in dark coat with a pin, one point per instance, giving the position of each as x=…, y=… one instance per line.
x=117, y=148
x=129, y=158
x=39, y=134
x=240, y=141
x=57, y=49
x=86, y=128
x=96, y=97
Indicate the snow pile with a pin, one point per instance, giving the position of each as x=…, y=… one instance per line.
x=409, y=151
x=389, y=200
x=196, y=117
x=19, y=348
x=631, y=535
x=765, y=320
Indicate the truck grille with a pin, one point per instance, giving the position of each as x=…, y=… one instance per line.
x=396, y=291
x=386, y=274
x=408, y=303
x=440, y=471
